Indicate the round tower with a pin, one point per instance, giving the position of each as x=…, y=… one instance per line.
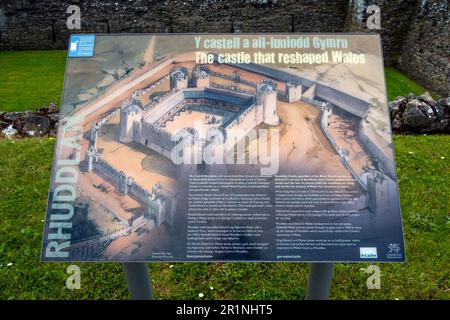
x=129, y=114
x=266, y=95
x=178, y=79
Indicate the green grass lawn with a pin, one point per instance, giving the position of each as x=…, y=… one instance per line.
x=30, y=79
x=399, y=85
x=424, y=180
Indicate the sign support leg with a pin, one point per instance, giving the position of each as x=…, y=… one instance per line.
x=138, y=280
x=319, y=281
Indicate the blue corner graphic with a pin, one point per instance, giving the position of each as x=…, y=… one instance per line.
x=81, y=46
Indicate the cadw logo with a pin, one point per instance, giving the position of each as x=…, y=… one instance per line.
x=368, y=253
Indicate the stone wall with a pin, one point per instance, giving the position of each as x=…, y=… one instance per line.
x=415, y=36
x=324, y=121
x=414, y=32
x=426, y=52
x=395, y=19
x=39, y=24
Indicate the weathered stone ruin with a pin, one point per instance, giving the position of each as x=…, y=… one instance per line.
x=420, y=114
x=42, y=122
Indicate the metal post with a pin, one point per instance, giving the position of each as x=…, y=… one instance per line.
x=319, y=281
x=138, y=280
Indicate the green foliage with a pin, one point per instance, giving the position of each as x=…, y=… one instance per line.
x=424, y=179
x=29, y=79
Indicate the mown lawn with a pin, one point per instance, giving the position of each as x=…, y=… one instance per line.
x=424, y=178
x=30, y=79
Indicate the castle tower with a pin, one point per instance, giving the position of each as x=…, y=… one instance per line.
x=94, y=133
x=293, y=91
x=378, y=189
x=91, y=156
x=200, y=78
x=178, y=79
x=125, y=183
x=156, y=209
x=327, y=111
x=129, y=114
x=266, y=96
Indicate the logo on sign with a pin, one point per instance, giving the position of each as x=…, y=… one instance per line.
x=394, y=251
x=368, y=253
x=81, y=46
x=73, y=46
x=394, y=248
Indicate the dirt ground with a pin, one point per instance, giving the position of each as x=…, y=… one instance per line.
x=100, y=191
x=144, y=165
x=303, y=149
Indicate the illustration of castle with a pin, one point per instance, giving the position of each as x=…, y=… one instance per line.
x=156, y=124
x=238, y=111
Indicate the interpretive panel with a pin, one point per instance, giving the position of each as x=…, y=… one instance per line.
x=209, y=147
